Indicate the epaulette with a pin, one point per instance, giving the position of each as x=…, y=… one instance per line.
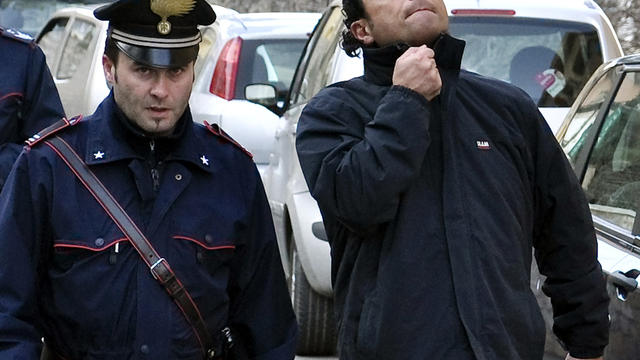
x=52, y=129
x=16, y=35
x=217, y=131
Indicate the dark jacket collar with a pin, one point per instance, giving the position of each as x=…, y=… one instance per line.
x=112, y=137
x=380, y=62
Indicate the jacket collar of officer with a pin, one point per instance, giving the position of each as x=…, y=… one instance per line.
x=114, y=140
x=380, y=62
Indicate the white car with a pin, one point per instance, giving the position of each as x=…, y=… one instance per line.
x=601, y=139
x=548, y=47
x=73, y=42
x=242, y=49
x=237, y=49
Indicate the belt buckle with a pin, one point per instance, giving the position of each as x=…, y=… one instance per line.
x=153, y=268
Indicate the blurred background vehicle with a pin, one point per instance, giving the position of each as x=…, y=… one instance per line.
x=601, y=137
x=73, y=41
x=547, y=47
x=236, y=50
x=29, y=15
x=240, y=49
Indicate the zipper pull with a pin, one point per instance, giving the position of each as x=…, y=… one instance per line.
x=155, y=176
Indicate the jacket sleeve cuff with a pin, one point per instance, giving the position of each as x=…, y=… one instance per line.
x=407, y=93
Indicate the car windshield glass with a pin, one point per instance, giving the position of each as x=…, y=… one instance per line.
x=28, y=16
x=268, y=62
x=551, y=60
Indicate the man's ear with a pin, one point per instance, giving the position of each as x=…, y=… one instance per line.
x=361, y=30
x=109, y=69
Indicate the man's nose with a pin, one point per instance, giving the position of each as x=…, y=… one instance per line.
x=161, y=84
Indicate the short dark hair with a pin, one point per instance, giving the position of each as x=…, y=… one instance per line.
x=353, y=10
x=111, y=50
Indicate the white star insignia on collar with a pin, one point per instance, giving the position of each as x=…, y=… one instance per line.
x=98, y=155
x=204, y=160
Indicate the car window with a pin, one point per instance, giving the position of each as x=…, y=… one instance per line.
x=612, y=184
x=268, y=62
x=51, y=37
x=551, y=60
x=581, y=125
x=76, y=49
x=318, y=69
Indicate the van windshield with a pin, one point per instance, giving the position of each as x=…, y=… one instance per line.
x=551, y=60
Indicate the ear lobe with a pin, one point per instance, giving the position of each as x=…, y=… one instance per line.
x=360, y=29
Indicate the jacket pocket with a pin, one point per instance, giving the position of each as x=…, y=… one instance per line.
x=210, y=252
x=69, y=253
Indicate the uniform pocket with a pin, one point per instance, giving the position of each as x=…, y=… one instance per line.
x=69, y=253
x=210, y=251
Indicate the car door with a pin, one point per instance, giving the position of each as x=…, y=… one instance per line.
x=602, y=142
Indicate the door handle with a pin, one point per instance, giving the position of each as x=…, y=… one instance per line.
x=625, y=283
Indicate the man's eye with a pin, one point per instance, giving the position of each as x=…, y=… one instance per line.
x=143, y=70
x=177, y=71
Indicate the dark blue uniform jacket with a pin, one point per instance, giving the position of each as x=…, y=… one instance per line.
x=431, y=254
x=29, y=99
x=68, y=273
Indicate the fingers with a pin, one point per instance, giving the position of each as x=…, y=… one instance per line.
x=416, y=69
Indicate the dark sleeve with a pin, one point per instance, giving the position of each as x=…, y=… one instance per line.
x=41, y=106
x=357, y=167
x=8, y=154
x=566, y=250
x=20, y=257
x=261, y=315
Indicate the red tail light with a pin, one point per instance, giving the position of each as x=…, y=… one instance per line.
x=483, y=12
x=223, y=82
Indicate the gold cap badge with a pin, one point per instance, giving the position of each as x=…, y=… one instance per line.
x=166, y=8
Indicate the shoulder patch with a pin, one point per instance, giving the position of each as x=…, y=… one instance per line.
x=52, y=129
x=217, y=131
x=17, y=35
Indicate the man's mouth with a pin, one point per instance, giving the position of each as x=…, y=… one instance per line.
x=157, y=109
x=419, y=10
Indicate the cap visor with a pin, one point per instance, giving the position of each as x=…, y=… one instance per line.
x=159, y=57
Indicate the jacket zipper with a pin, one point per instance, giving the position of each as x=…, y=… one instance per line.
x=155, y=175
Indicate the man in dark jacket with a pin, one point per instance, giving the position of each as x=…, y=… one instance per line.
x=69, y=274
x=29, y=99
x=434, y=185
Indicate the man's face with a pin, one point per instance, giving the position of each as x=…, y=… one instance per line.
x=152, y=98
x=415, y=22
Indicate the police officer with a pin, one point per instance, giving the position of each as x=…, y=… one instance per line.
x=29, y=100
x=70, y=275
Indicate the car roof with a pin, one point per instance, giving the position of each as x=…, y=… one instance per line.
x=264, y=25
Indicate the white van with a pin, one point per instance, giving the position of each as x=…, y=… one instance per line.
x=548, y=47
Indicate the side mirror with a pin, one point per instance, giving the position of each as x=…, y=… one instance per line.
x=262, y=94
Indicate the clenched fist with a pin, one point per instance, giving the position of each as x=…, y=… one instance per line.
x=416, y=69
